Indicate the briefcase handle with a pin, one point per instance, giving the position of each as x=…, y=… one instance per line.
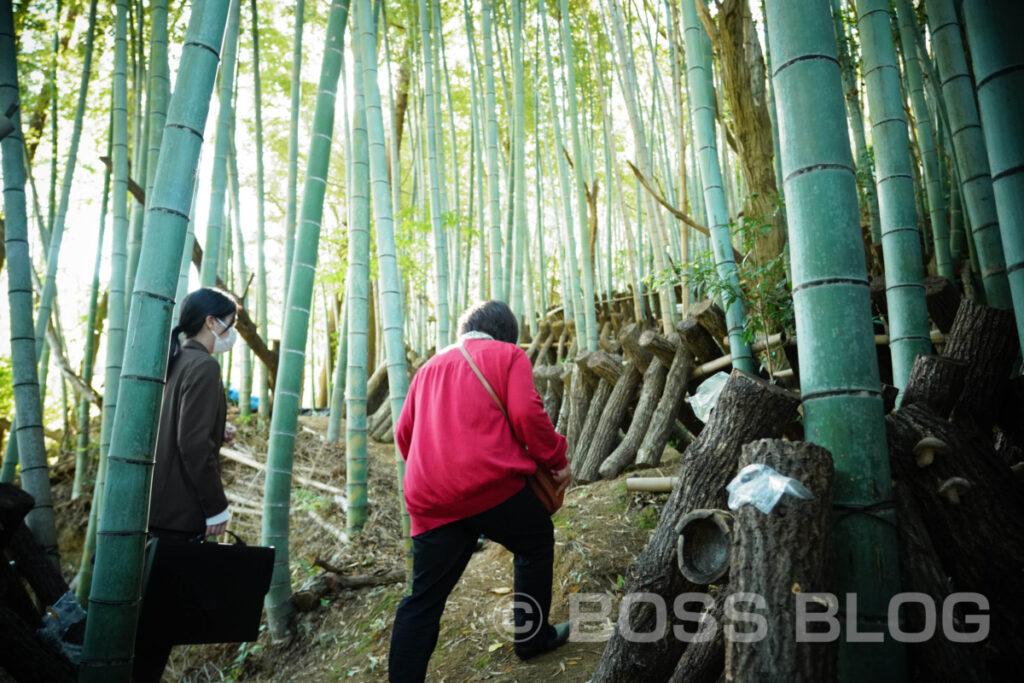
x=238, y=541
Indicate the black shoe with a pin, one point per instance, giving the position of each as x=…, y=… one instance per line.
x=558, y=638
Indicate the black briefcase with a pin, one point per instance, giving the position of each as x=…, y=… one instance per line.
x=195, y=592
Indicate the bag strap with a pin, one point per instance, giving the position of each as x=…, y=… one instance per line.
x=487, y=385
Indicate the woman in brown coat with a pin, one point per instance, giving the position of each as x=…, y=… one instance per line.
x=188, y=499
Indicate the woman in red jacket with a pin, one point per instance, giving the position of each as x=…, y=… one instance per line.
x=466, y=469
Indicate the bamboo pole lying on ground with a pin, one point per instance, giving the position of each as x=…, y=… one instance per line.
x=239, y=457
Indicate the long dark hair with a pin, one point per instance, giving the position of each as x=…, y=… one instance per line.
x=192, y=316
x=492, y=317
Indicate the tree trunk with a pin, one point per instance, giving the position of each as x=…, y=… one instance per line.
x=377, y=389
x=594, y=411
x=778, y=556
x=664, y=349
x=704, y=661
x=580, y=393
x=943, y=301
x=625, y=453
x=936, y=382
x=700, y=342
x=934, y=659
x=986, y=339
x=711, y=318
x=980, y=538
x=664, y=417
x=607, y=428
x=748, y=408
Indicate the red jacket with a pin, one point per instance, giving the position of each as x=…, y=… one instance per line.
x=461, y=456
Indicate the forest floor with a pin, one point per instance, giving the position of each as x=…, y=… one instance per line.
x=345, y=636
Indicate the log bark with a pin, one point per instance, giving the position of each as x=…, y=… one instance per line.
x=936, y=382
x=562, y=424
x=943, y=300
x=26, y=657
x=377, y=389
x=986, y=338
x=15, y=503
x=980, y=539
x=921, y=571
x=554, y=333
x=748, y=408
x=606, y=433
x=579, y=401
x=606, y=366
x=629, y=338
x=594, y=411
x=663, y=349
x=712, y=319
x=625, y=453
x=700, y=342
x=543, y=333
x=553, y=396
x=703, y=661
x=778, y=556
x=664, y=417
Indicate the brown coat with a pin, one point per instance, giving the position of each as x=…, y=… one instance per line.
x=186, y=477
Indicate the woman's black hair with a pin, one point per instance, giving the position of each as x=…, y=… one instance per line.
x=192, y=316
x=492, y=317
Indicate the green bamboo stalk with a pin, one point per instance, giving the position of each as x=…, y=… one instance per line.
x=82, y=450
x=998, y=60
x=293, y=150
x=702, y=102
x=340, y=375
x=975, y=174
x=391, y=300
x=570, y=286
x=358, y=281
x=242, y=283
x=926, y=141
x=261, y=265
x=26, y=443
x=434, y=179
x=218, y=188
x=518, y=156
x=140, y=103
x=493, y=188
x=113, y=599
x=839, y=372
x=277, y=491
x=865, y=172
x=901, y=240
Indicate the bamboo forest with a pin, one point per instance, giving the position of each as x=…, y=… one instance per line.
x=743, y=278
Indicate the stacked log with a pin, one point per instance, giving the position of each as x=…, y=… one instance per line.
x=25, y=655
x=748, y=408
x=680, y=365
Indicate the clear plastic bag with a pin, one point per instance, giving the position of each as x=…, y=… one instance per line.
x=59, y=617
x=763, y=487
x=706, y=396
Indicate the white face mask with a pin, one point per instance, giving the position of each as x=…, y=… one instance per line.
x=224, y=344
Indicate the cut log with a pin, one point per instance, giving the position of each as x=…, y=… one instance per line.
x=26, y=657
x=978, y=533
x=629, y=338
x=748, y=408
x=712, y=319
x=562, y=424
x=579, y=402
x=606, y=432
x=543, y=333
x=650, y=393
x=935, y=381
x=703, y=660
x=593, y=419
x=15, y=503
x=779, y=556
x=555, y=331
x=606, y=366
x=943, y=301
x=35, y=566
x=664, y=417
x=663, y=349
x=561, y=353
x=986, y=338
x=936, y=658
x=700, y=342
x=377, y=389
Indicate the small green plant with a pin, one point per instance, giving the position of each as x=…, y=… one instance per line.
x=648, y=518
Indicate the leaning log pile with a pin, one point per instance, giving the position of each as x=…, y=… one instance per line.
x=956, y=447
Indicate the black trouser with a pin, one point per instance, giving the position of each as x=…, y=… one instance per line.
x=440, y=555
x=151, y=649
